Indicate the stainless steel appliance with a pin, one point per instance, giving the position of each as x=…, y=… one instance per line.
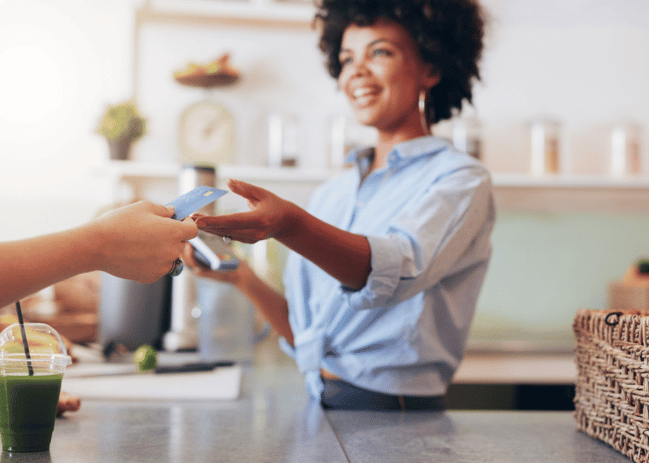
x=132, y=313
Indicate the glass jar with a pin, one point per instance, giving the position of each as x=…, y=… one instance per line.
x=544, y=146
x=466, y=136
x=282, y=140
x=625, y=150
x=347, y=135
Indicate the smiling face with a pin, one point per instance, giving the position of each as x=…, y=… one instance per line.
x=382, y=76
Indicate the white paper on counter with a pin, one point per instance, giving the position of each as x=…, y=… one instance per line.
x=223, y=383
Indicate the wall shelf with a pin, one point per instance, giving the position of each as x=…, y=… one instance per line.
x=133, y=171
x=561, y=193
x=569, y=181
x=568, y=193
x=158, y=181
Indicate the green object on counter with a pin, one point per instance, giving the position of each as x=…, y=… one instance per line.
x=28, y=410
x=145, y=357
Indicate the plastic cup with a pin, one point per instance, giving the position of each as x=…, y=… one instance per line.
x=30, y=387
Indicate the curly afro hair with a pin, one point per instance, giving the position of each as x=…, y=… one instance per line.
x=449, y=34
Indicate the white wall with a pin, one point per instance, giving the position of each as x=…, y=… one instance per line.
x=585, y=62
x=61, y=61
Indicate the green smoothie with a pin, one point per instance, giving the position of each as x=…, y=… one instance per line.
x=28, y=411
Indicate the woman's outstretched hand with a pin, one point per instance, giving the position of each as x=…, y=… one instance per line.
x=269, y=216
x=343, y=255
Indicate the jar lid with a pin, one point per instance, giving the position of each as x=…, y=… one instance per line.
x=43, y=342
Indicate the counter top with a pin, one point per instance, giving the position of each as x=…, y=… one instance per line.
x=273, y=421
x=467, y=437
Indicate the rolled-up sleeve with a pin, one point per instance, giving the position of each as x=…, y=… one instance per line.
x=427, y=241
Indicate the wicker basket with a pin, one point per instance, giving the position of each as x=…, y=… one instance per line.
x=612, y=389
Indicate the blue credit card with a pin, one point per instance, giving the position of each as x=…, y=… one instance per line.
x=193, y=200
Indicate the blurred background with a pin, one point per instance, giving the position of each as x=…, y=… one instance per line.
x=578, y=69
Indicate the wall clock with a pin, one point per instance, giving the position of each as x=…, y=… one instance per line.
x=207, y=134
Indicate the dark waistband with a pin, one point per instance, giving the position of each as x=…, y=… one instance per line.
x=341, y=395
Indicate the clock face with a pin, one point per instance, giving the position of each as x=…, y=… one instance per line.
x=207, y=134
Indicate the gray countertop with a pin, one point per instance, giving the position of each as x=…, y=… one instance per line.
x=467, y=437
x=273, y=421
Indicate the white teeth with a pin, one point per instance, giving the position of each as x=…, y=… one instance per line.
x=359, y=92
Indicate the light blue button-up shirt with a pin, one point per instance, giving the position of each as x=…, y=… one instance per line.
x=428, y=217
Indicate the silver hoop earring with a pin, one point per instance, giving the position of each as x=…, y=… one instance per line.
x=423, y=117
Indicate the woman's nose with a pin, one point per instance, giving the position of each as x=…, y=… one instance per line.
x=359, y=67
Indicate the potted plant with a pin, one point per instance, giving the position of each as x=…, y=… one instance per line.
x=121, y=125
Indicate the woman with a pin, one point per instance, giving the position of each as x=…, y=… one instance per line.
x=388, y=262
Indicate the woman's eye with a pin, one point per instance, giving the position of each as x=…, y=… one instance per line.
x=345, y=60
x=381, y=52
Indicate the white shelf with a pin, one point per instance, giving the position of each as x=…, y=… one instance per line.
x=158, y=181
x=258, y=11
x=504, y=180
x=144, y=170
x=564, y=193
x=134, y=171
x=512, y=191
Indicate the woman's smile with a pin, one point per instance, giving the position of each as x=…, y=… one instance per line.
x=365, y=95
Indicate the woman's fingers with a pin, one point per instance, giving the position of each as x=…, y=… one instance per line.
x=246, y=190
x=226, y=223
x=245, y=232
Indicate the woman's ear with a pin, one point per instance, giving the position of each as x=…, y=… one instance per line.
x=431, y=76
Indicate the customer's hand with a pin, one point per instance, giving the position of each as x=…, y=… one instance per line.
x=269, y=217
x=140, y=241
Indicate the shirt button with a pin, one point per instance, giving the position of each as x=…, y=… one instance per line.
x=359, y=204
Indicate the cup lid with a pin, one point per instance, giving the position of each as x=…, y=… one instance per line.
x=43, y=341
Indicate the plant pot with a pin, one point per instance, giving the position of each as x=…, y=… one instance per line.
x=119, y=149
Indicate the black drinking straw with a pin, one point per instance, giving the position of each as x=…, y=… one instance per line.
x=22, y=331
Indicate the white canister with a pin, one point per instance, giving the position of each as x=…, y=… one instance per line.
x=625, y=150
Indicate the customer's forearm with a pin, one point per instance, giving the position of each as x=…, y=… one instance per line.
x=27, y=266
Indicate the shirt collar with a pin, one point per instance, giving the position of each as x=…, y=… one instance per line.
x=411, y=149
x=362, y=157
